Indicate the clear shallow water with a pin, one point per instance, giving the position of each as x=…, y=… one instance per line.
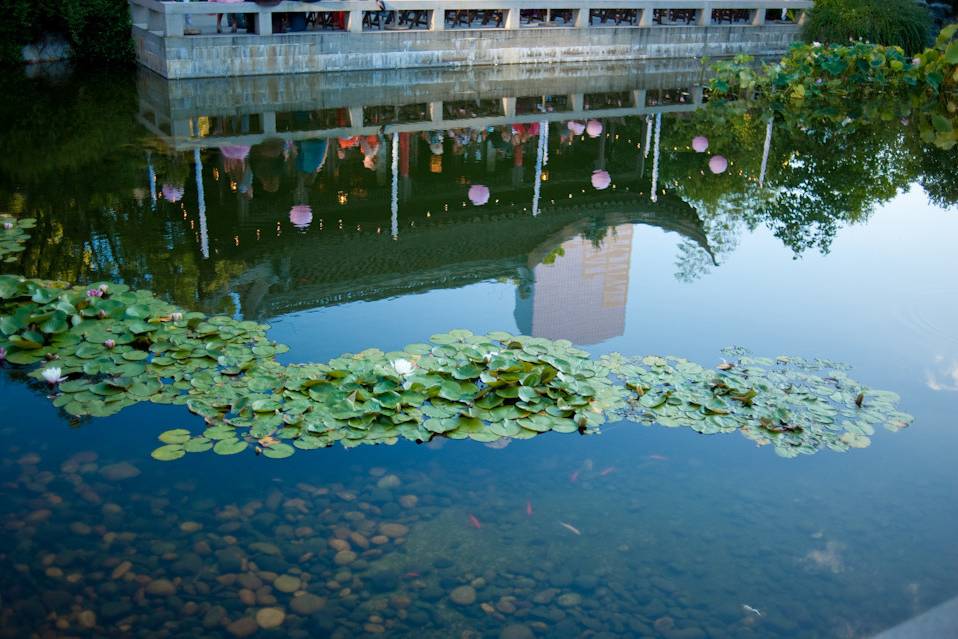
x=678, y=531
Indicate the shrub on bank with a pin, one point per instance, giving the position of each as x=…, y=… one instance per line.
x=98, y=30
x=903, y=23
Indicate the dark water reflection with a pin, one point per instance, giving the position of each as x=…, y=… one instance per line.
x=668, y=534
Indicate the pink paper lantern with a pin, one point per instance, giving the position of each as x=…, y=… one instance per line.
x=700, y=144
x=593, y=129
x=301, y=216
x=601, y=180
x=577, y=128
x=172, y=193
x=478, y=194
x=718, y=164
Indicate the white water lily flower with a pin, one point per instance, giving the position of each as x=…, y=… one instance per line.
x=490, y=355
x=52, y=375
x=403, y=366
x=816, y=44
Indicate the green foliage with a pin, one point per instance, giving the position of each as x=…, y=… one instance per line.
x=902, y=23
x=108, y=347
x=97, y=30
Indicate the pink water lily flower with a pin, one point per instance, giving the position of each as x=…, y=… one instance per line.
x=94, y=292
x=3, y=354
x=8, y=225
x=718, y=164
x=478, y=194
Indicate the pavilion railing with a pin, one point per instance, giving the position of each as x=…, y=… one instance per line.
x=169, y=18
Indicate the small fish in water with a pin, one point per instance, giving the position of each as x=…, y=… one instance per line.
x=529, y=508
x=411, y=575
x=607, y=471
x=754, y=611
x=474, y=522
x=570, y=528
x=657, y=457
x=574, y=476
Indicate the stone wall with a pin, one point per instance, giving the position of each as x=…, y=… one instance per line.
x=219, y=55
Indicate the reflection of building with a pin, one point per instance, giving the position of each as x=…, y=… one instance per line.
x=580, y=290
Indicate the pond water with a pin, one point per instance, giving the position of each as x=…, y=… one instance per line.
x=515, y=217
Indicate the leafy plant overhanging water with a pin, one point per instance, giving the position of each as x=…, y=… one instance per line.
x=104, y=347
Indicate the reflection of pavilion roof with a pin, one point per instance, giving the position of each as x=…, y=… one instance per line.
x=460, y=248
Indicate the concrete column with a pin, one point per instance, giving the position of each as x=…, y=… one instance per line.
x=582, y=18
x=511, y=20
x=140, y=16
x=354, y=23
x=646, y=17
x=802, y=18
x=173, y=24
x=704, y=17
x=156, y=21
x=356, y=116
x=638, y=98
x=437, y=20
x=509, y=107
x=698, y=94
x=264, y=22
x=578, y=101
x=435, y=111
x=758, y=17
x=269, y=121
x=201, y=203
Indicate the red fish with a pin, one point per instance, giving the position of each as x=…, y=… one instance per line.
x=574, y=476
x=658, y=458
x=529, y=508
x=411, y=575
x=474, y=522
x=607, y=471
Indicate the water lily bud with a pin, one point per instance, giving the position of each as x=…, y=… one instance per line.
x=101, y=314
x=109, y=343
x=3, y=354
x=176, y=317
x=8, y=225
x=104, y=288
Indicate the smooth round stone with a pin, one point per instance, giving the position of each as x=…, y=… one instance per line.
x=190, y=526
x=388, y=481
x=339, y=544
x=344, y=557
x=408, y=501
x=516, y=631
x=463, y=595
x=268, y=618
x=394, y=530
x=569, y=600
x=247, y=596
x=160, y=588
x=307, y=604
x=287, y=583
x=121, y=569
x=87, y=619
x=243, y=627
x=120, y=471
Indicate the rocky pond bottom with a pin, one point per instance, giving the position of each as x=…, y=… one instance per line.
x=570, y=541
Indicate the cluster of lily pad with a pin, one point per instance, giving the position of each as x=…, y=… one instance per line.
x=103, y=347
x=13, y=235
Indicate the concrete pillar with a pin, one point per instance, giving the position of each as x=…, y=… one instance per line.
x=437, y=20
x=356, y=117
x=269, y=121
x=638, y=98
x=140, y=16
x=698, y=94
x=435, y=111
x=646, y=17
x=802, y=18
x=582, y=18
x=354, y=23
x=156, y=21
x=264, y=22
x=704, y=16
x=577, y=100
x=509, y=107
x=173, y=24
x=511, y=19
x=758, y=17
